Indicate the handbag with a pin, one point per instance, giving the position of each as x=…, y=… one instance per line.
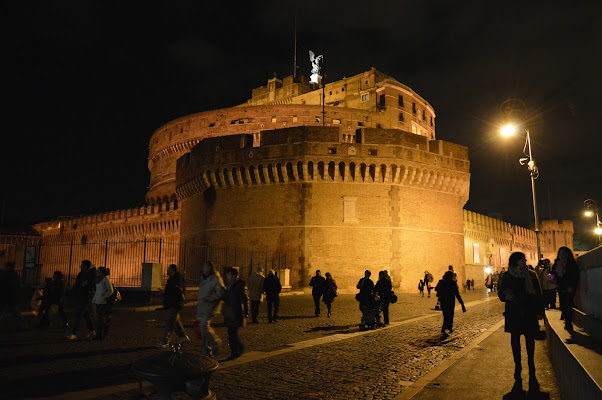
x=357, y=297
x=393, y=297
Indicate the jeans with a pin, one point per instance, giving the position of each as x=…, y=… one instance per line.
x=317, y=303
x=173, y=322
x=210, y=339
x=448, y=316
x=566, y=306
x=103, y=319
x=236, y=347
x=273, y=302
x=83, y=310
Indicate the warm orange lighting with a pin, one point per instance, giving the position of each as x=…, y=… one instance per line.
x=588, y=213
x=508, y=130
x=598, y=231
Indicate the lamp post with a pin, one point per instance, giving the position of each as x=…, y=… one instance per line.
x=512, y=108
x=591, y=209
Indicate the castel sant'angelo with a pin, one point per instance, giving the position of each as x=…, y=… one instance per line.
x=341, y=178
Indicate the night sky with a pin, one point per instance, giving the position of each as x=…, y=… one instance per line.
x=89, y=82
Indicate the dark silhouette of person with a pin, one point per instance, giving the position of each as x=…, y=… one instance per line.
x=173, y=302
x=383, y=287
x=366, y=286
x=519, y=289
x=272, y=289
x=55, y=297
x=234, y=311
x=9, y=293
x=317, y=288
x=447, y=291
x=428, y=281
x=330, y=292
x=83, y=290
x=566, y=273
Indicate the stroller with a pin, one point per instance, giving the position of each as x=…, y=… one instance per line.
x=371, y=313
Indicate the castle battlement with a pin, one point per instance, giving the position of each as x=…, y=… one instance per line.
x=317, y=154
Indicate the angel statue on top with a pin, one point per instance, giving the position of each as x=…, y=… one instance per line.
x=315, y=67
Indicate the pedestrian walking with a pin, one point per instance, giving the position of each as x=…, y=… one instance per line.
x=566, y=273
x=104, y=290
x=383, y=288
x=9, y=293
x=330, y=292
x=428, y=281
x=235, y=311
x=317, y=283
x=272, y=288
x=472, y=284
x=173, y=302
x=467, y=284
x=366, y=286
x=55, y=300
x=519, y=289
x=447, y=292
x=548, y=283
x=255, y=286
x=211, y=292
x=421, y=288
x=451, y=268
x=83, y=291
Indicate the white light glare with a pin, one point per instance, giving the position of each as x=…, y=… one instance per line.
x=508, y=130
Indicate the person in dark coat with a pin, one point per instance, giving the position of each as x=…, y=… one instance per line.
x=173, y=302
x=330, y=292
x=447, y=292
x=366, y=286
x=272, y=288
x=9, y=293
x=317, y=287
x=428, y=282
x=234, y=311
x=519, y=289
x=56, y=297
x=383, y=288
x=83, y=290
x=566, y=273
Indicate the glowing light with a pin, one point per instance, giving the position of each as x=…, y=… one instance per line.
x=598, y=231
x=588, y=213
x=487, y=270
x=508, y=130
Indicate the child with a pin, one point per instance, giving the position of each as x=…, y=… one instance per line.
x=421, y=288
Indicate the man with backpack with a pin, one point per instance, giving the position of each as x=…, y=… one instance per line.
x=173, y=302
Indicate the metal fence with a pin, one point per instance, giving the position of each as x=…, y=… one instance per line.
x=37, y=261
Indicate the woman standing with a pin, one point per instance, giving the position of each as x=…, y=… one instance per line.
x=566, y=273
x=235, y=311
x=104, y=290
x=447, y=291
x=330, y=292
x=519, y=289
x=383, y=288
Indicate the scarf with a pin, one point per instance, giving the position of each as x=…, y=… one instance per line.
x=523, y=273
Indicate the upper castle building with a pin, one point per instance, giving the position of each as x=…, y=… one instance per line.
x=343, y=177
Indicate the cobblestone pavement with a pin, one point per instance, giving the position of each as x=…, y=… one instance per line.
x=376, y=365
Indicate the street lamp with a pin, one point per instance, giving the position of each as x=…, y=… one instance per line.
x=513, y=108
x=591, y=209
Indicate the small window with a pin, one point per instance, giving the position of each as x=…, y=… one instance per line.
x=414, y=128
x=358, y=136
x=211, y=125
x=400, y=101
x=431, y=121
x=332, y=150
x=414, y=108
x=372, y=152
x=295, y=118
x=317, y=119
x=343, y=89
x=423, y=115
x=365, y=97
x=367, y=82
x=400, y=117
x=330, y=93
x=273, y=119
x=360, y=123
x=382, y=101
x=378, y=126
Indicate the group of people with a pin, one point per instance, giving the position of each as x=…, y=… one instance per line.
x=374, y=298
x=324, y=288
x=521, y=289
x=258, y=285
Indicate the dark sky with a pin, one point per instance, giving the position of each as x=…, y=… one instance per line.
x=89, y=82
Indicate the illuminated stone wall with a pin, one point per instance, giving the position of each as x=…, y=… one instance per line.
x=297, y=193
x=353, y=104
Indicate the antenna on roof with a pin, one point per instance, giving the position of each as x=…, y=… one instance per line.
x=295, y=49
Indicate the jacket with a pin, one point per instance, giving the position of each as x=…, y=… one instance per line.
x=546, y=278
x=271, y=286
x=521, y=312
x=569, y=278
x=236, y=305
x=104, y=289
x=255, y=286
x=383, y=288
x=174, y=292
x=84, y=285
x=447, y=292
x=330, y=290
x=211, y=292
x=316, y=283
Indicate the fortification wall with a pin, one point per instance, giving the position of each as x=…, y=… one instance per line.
x=333, y=206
